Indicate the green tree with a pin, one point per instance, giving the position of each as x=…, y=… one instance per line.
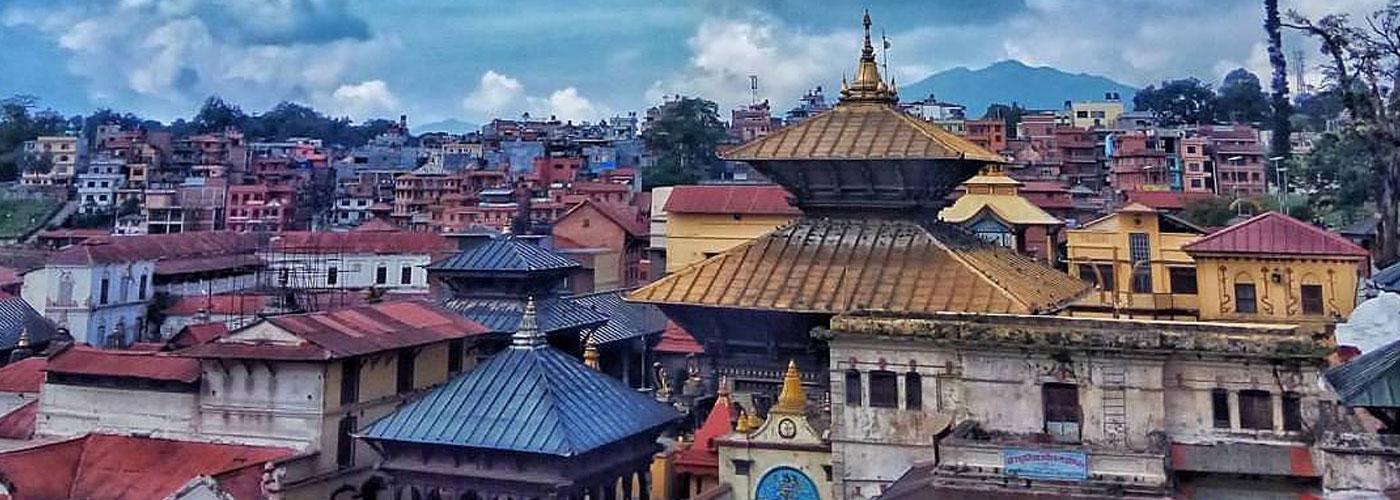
x=1361, y=62
x=1314, y=110
x=682, y=140
x=1186, y=101
x=20, y=121
x=1011, y=115
x=216, y=116
x=1241, y=99
x=1335, y=178
x=1214, y=211
x=1279, y=142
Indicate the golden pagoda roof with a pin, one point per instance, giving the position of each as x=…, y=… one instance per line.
x=863, y=125
x=1012, y=209
x=831, y=266
x=792, y=400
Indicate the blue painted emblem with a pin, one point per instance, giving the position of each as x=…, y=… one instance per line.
x=786, y=483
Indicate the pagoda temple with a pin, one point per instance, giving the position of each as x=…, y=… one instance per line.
x=870, y=181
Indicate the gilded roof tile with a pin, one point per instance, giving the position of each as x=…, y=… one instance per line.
x=838, y=265
x=862, y=131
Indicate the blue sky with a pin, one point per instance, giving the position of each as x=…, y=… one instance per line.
x=473, y=59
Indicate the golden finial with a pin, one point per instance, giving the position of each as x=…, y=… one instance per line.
x=722, y=394
x=742, y=425
x=868, y=51
x=23, y=340
x=590, y=351
x=868, y=86
x=754, y=421
x=793, y=400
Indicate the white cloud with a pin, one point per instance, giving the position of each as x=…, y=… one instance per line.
x=495, y=94
x=566, y=104
x=724, y=52
x=363, y=100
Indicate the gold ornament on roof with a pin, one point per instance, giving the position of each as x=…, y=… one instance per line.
x=868, y=86
x=793, y=399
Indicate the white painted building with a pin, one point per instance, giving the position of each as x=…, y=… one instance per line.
x=118, y=392
x=97, y=187
x=374, y=255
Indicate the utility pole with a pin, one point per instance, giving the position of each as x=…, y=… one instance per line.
x=753, y=90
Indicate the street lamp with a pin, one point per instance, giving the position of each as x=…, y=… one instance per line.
x=1281, y=169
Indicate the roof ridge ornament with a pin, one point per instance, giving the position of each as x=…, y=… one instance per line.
x=868, y=86
x=792, y=400
x=528, y=334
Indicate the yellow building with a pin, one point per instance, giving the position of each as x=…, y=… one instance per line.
x=991, y=207
x=63, y=152
x=1094, y=114
x=1135, y=259
x=1274, y=268
x=704, y=221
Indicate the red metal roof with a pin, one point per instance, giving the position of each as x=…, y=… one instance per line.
x=150, y=365
x=676, y=340
x=156, y=247
x=131, y=468
x=346, y=332
x=26, y=375
x=19, y=422
x=626, y=217
x=741, y=199
x=375, y=242
x=207, y=263
x=702, y=456
x=1273, y=233
x=228, y=305
x=597, y=187
x=375, y=225
x=192, y=335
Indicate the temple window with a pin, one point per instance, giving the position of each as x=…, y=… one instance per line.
x=1256, y=410
x=1312, y=300
x=1061, y=403
x=1292, y=412
x=913, y=391
x=852, y=387
x=1220, y=408
x=884, y=389
x=1245, y=300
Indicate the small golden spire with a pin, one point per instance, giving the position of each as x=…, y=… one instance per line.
x=793, y=400
x=868, y=85
x=754, y=421
x=742, y=425
x=23, y=340
x=722, y=394
x=590, y=351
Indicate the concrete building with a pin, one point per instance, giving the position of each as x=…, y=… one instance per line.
x=785, y=455
x=260, y=207
x=65, y=154
x=1135, y=259
x=311, y=381
x=1141, y=160
x=98, y=185
x=88, y=390
x=1017, y=406
x=1090, y=115
x=1274, y=268
x=373, y=255
x=934, y=110
x=752, y=121
x=1239, y=159
x=619, y=230
x=1198, y=166
x=704, y=221
x=988, y=133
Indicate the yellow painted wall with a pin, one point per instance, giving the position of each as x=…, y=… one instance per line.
x=690, y=236
x=1277, y=285
x=1106, y=242
x=1109, y=109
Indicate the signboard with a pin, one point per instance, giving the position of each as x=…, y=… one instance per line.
x=1065, y=465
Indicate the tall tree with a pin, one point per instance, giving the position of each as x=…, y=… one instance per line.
x=216, y=116
x=1187, y=101
x=1280, y=145
x=1362, y=63
x=1241, y=98
x=1010, y=115
x=682, y=139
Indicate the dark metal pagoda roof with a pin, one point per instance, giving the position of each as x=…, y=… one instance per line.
x=530, y=398
x=503, y=255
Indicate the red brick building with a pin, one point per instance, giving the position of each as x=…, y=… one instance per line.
x=990, y=134
x=260, y=207
x=620, y=229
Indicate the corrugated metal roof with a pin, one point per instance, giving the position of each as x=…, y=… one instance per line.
x=207, y=263
x=724, y=200
x=506, y=254
x=1276, y=234
x=150, y=365
x=832, y=266
x=15, y=316
x=26, y=375
x=352, y=331
x=626, y=320
x=861, y=131
x=526, y=399
x=1371, y=380
x=156, y=247
x=362, y=242
x=503, y=315
x=19, y=422
x=128, y=467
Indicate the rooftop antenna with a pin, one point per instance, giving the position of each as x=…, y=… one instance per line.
x=885, y=52
x=753, y=89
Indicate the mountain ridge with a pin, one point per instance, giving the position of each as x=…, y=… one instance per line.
x=1008, y=81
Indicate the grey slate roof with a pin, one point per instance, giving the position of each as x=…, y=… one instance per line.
x=504, y=254
x=1388, y=279
x=1370, y=380
x=626, y=320
x=530, y=398
x=503, y=315
x=16, y=315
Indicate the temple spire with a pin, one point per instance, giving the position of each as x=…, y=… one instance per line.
x=868, y=86
x=792, y=400
x=528, y=335
x=590, y=351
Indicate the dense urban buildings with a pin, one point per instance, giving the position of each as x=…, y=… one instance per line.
x=871, y=297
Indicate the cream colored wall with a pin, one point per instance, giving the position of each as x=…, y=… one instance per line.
x=690, y=236
x=1107, y=242
x=1279, y=300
